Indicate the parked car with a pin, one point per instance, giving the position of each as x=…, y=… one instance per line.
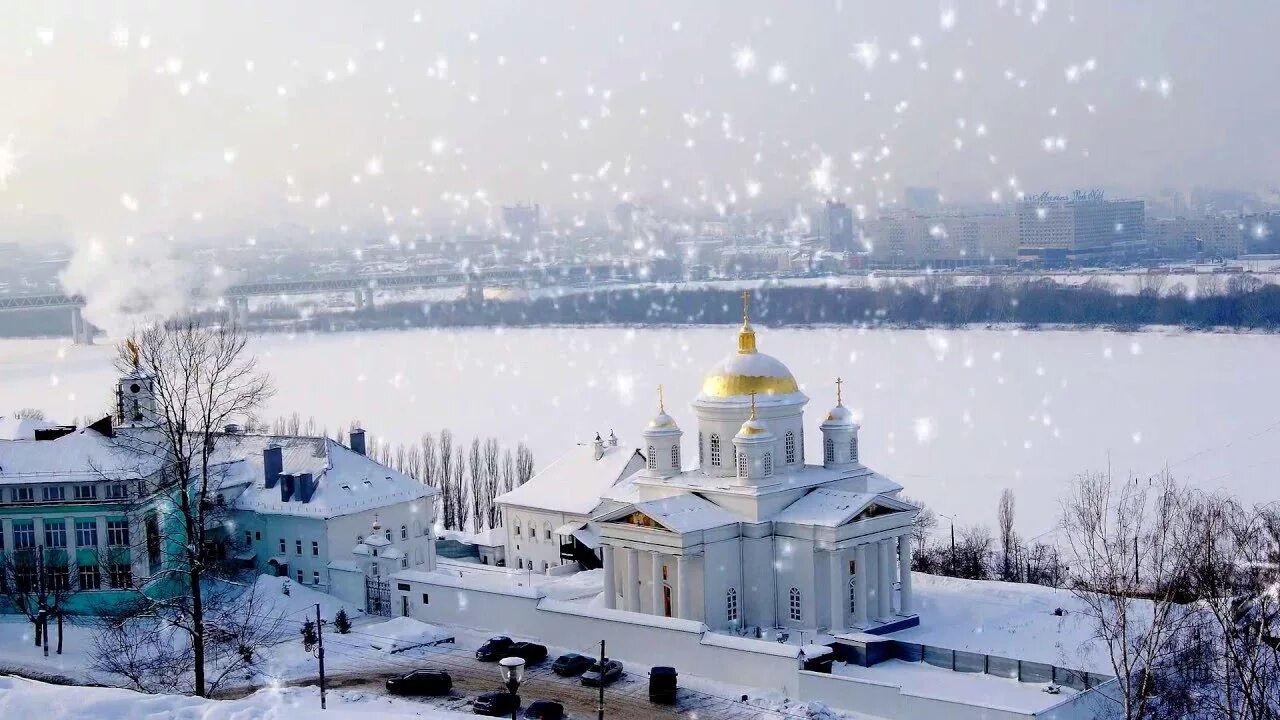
x=421, y=682
x=494, y=649
x=495, y=704
x=544, y=710
x=532, y=653
x=662, y=684
x=602, y=675
x=571, y=664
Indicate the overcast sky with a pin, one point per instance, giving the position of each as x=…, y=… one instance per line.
x=200, y=118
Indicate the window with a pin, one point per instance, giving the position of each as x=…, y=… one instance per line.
x=853, y=449
x=90, y=577
x=53, y=493
x=768, y=464
x=829, y=451
x=652, y=459
x=516, y=528
x=424, y=598
x=404, y=532
x=297, y=547
x=795, y=604
x=315, y=577
x=731, y=605
x=57, y=578
x=86, y=492
x=55, y=533
x=24, y=534
x=404, y=561
x=675, y=457
x=284, y=548
x=715, y=450
x=121, y=575
x=853, y=595
x=117, y=534
x=299, y=577
x=387, y=534
x=547, y=529
x=791, y=447
x=24, y=575
x=117, y=491
x=533, y=532
x=520, y=563
x=248, y=538
x=315, y=549
x=801, y=444
x=742, y=464
x=257, y=534
x=24, y=494
x=701, y=459
x=86, y=533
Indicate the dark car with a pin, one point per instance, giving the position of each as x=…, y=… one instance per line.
x=662, y=684
x=421, y=682
x=495, y=704
x=544, y=710
x=597, y=675
x=532, y=653
x=494, y=649
x=571, y=664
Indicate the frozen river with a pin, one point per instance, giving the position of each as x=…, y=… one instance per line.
x=955, y=416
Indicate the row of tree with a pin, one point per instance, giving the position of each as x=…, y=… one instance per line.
x=469, y=476
x=1212, y=300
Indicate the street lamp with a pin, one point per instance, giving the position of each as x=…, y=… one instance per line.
x=512, y=669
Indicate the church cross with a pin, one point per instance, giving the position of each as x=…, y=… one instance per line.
x=746, y=308
x=662, y=406
x=839, y=393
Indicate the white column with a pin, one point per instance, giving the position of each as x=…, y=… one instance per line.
x=861, y=587
x=683, y=594
x=838, y=590
x=905, y=605
x=655, y=583
x=610, y=592
x=632, y=591
x=884, y=594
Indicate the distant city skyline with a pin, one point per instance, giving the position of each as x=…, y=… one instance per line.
x=138, y=119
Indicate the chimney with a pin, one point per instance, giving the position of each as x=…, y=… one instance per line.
x=287, y=485
x=357, y=441
x=599, y=444
x=613, y=439
x=272, y=464
x=306, y=488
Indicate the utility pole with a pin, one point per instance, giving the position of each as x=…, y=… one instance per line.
x=600, y=706
x=320, y=648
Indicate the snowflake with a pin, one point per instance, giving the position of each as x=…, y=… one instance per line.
x=744, y=60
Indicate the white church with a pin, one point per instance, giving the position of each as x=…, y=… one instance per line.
x=751, y=536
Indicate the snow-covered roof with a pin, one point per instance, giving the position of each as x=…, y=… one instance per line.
x=575, y=482
x=16, y=428
x=489, y=537
x=81, y=455
x=346, y=481
x=831, y=508
x=685, y=513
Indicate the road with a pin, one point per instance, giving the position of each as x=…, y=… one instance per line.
x=626, y=699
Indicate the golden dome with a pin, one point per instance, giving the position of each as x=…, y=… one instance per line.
x=748, y=371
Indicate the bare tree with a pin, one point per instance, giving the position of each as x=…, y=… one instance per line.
x=448, y=496
x=508, y=472
x=39, y=582
x=1008, y=540
x=458, y=486
x=29, y=413
x=922, y=527
x=492, y=480
x=200, y=380
x=1126, y=569
x=524, y=464
x=480, y=500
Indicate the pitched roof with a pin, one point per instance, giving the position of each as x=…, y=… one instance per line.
x=82, y=455
x=831, y=508
x=575, y=482
x=687, y=513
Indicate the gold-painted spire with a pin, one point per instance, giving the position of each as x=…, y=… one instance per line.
x=746, y=336
x=839, y=392
x=753, y=407
x=135, y=355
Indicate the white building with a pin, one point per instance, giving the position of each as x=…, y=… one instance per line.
x=749, y=536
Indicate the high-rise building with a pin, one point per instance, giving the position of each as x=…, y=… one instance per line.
x=522, y=222
x=838, y=226
x=1082, y=228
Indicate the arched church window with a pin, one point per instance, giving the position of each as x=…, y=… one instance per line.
x=701, y=457
x=795, y=605
x=829, y=450
x=768, y=464
x=731, y=605
x=742, y=464
x=652, y=462
x=853, y=595
x=715, y=449
x=675, y=457
x=387, y=534
x=801, y=446
x=516, y=526
x=791, y=447
x=853, y=448
x=404, y=532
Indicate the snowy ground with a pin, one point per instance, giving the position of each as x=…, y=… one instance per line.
x=955, y=416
